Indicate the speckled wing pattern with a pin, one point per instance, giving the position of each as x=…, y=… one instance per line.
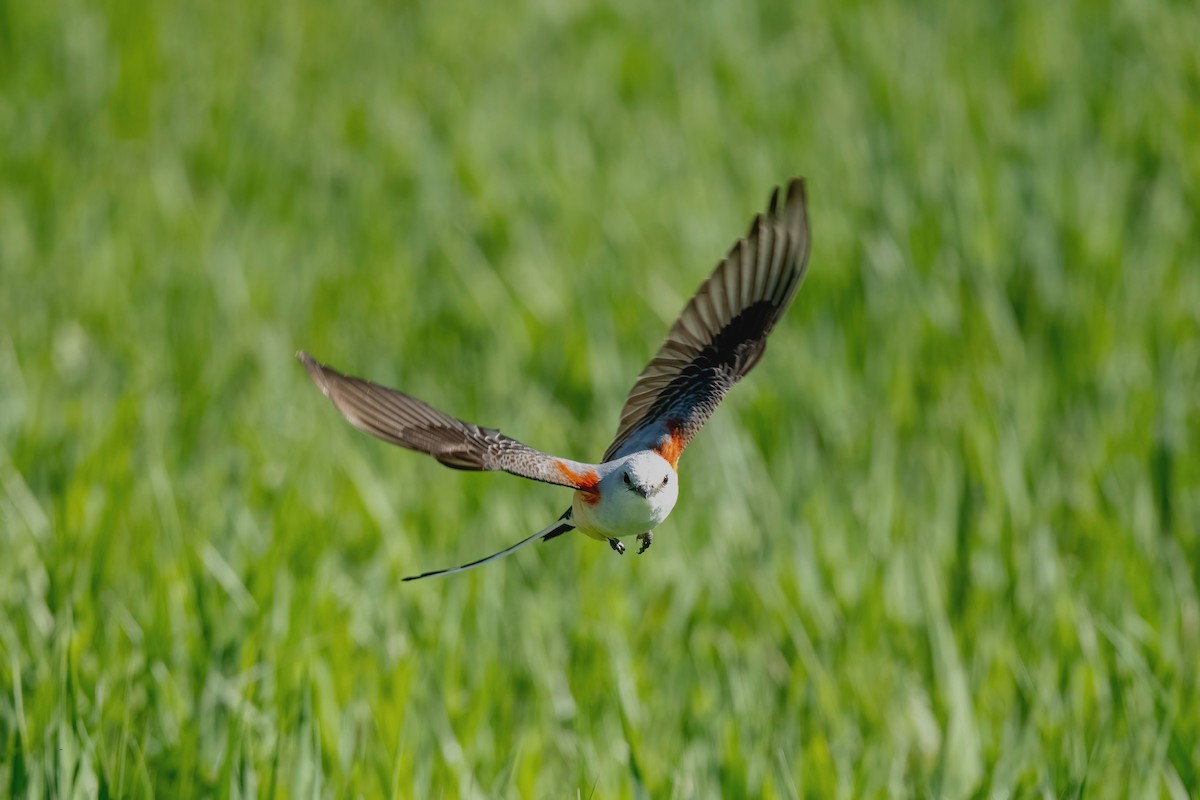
x=406, y=421
x=721, y=333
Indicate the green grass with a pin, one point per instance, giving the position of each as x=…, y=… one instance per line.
x=943, y=542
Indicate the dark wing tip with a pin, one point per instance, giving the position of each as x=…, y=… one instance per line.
x=795, y=191
x=754, y=226
x=797, y=199
x=794, y=204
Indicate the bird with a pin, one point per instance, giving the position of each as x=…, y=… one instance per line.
x=718, y=338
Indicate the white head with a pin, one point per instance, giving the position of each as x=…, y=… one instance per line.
x=646, y=474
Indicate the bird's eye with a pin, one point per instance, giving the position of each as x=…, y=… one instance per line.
x=625, y=475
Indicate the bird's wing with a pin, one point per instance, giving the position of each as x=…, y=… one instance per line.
x=721, y=333
x=406, y=421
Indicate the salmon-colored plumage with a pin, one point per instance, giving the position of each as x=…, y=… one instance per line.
x=584, y=481
x=671, y=446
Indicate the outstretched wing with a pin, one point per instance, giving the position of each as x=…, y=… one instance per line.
x=406, y=421
x=721, y=333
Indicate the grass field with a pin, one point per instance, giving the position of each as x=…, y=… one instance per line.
x=943, y=542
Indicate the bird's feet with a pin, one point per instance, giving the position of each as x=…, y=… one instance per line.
x=645, y=538
x=615, y=544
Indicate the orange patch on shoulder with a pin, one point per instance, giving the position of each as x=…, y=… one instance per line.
x=584, y=481
x=671, y=446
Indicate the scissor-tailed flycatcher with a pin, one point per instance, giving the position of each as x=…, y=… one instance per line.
x=718, y=338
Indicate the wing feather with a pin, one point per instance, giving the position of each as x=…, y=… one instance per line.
x=403, y=420
x=721, y=333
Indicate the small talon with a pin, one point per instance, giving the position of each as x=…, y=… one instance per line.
x=645, y=538
x=615, y=544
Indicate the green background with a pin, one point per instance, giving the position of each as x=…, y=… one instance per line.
x=943, y=542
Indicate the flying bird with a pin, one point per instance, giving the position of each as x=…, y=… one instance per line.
x=716, y=341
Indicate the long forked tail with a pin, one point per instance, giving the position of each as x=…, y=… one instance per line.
x=558, y=528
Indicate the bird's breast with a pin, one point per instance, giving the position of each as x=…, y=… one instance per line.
x=621, y=512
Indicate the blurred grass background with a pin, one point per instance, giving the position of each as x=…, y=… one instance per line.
x=943, y=542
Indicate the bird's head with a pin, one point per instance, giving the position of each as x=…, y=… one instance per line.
x=647, y=474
